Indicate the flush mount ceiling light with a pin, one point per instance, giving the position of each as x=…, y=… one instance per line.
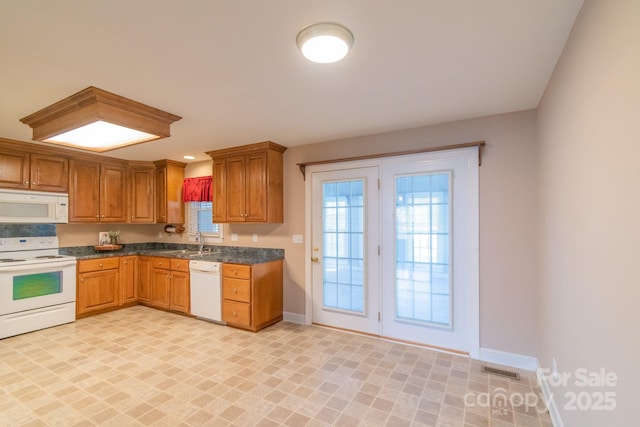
x=96, y=120
x=325, y=42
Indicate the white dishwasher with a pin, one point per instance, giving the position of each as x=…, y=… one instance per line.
x=206, y=290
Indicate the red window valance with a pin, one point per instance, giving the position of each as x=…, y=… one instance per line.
x=197, y=189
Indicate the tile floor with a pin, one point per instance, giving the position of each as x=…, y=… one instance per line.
x=140, y=366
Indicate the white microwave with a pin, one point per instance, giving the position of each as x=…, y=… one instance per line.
x=19, y=207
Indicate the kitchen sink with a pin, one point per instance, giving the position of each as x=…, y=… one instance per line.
x=189, y=252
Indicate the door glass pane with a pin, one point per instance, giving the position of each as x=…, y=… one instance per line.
x=423, y=279
x=343, y=248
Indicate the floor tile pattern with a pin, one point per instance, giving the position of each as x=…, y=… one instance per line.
x=139, y=366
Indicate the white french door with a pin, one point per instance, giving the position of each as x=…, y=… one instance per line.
x=344, y=250
x=430, y=251
x=397, y=259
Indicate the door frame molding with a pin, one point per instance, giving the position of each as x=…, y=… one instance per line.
x=474, y=238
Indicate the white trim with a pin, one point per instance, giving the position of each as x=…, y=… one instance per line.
x=294, y=318
x=554, y=413
x=513, y=360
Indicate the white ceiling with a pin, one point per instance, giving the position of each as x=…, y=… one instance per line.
x=232, y=70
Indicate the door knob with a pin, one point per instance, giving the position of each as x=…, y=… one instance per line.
x=314, y=259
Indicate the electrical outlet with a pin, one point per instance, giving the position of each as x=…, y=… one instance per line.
x=296, y=238
x=234, y=237
x=159, y=234
x=255, y=237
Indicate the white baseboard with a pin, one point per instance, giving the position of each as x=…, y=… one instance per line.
x=556, y=420
x=514, y=360
x=294, y=318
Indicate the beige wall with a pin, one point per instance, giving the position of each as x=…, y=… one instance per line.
x=589, y=132
x=508, y=228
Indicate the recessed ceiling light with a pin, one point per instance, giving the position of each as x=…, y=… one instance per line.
x=189, y=157
x=325, y=42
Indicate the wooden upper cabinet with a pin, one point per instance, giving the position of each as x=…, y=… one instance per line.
x=169, y=180
x=84, y=191
x=142, y=194
x=248, y=183
x=30, y=171
x=219, y=190
x=97, y=192
x=49, y=173
x=113, y=193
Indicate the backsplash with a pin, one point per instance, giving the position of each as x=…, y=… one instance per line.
x=27, y=230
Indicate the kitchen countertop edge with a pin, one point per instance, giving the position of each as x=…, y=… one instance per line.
x=225, y=254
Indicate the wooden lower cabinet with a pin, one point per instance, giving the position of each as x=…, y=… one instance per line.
x=252, y=295
x=129, y=280
x=98, y=285
x=170, y=284
x=145, y=272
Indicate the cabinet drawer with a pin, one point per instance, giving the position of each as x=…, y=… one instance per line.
x=236, y=312
x=179, y=264
x=236, y=289
x=98, y=264
x=238, y=271
x=164, y=263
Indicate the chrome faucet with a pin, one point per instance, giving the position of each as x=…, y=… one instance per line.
x=200, y=241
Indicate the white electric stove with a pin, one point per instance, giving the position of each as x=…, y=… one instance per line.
x=37, y=285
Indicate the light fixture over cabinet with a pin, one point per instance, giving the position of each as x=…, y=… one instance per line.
x=96, y=120
x=325, y=42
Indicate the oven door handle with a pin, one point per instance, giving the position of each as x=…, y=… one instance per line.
x=48, y=266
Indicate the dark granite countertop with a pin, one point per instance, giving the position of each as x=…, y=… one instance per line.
x=231, y=254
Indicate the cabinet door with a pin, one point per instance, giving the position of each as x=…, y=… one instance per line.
x=236, y=189
x=161, y=194
x=49, y=173
x=97, y=290
x=161, y=288
x=169, y=180
x=113, y=187
x=14, y=169
x=84, y=190
x=141, y=195
x=180, y=292
x=128, y=280
x=237, y=313
x=145, y=277
x=219, y=191
x=256, y=188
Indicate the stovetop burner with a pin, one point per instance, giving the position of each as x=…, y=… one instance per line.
x=49, y=256
x=10, y=260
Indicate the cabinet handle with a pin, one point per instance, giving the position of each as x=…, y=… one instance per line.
x=97, y=216
x=26, y=182
x=100, y=265
x=103, y=216
x=33, y=183
x=235, y=291
x=81, y=280
x=235, y=313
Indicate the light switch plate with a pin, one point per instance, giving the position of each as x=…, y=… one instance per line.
x=234, y=237
x=296, y=238
x=255, y=237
